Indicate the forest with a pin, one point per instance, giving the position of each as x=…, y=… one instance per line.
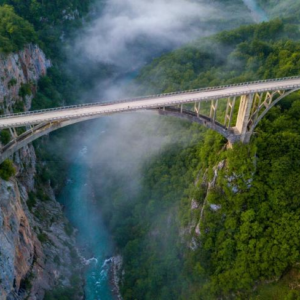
x=15, y=32
x=252, y=238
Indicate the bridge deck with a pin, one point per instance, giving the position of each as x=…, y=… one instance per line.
x=77, y=112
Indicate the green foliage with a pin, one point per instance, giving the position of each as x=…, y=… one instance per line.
x=7, y=170
x=26, y=283
x=145, y=224
x=45, y=13
x=5, y=136
x=256, y=239
x=43, y=237
x=12, y=82
x=42, y=195
x=57, y=260
x=18, y=107
x=56, y=156
x=65, y=293
x=287, y=288
x=249, y=53
x=55, y=89
x=25, y=90
x=50, y=20
x=31, y=202
x=253, y=235
x=20, y=130
x=15, y=32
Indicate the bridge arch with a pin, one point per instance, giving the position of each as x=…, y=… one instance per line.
x=40, y=130
x=203, y=120
x=254, y=122
x=34, y=133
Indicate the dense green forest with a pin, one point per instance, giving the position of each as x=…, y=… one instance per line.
x=15, y=32
x=252, y=239
x=268, y=50
x=50, y=19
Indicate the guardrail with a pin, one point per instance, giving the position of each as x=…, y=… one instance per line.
x=153, y=97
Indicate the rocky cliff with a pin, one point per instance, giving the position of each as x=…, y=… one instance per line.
x=20, y=70
x=37, y=245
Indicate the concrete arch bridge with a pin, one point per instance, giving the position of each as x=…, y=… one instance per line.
x=233, y=111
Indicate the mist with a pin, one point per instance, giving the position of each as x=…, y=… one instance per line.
x=125, y=36
x=258, y=13
x=129, y=141
x=129, y=32
x=283, y=9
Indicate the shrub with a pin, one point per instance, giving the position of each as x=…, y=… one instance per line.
x=31, y=202
x=5, y=136
x=12, y=83
x=43, y=238
x=7, y=170
x=18, y=107
x=25, y=90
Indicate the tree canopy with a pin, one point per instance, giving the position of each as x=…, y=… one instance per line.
x=15, y=32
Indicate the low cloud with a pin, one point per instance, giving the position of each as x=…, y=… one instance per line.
x=129, y=31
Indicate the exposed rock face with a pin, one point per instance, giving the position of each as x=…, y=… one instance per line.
x=16, y=238
x=24, y=67
x=116, y=275
x=37, y=246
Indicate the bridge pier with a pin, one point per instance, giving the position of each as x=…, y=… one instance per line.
x=243, y=118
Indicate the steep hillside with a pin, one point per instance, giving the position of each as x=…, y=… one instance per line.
x=34, y=235
x=37, y=243
x=212, y=223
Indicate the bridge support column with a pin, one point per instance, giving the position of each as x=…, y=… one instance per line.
x=229, y=112
x=197, y=108
x=213, y=109
x=243, y=117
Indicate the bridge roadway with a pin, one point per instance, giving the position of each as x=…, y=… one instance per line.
x=157, y=101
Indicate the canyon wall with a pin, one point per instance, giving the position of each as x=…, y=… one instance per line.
x=37, y=244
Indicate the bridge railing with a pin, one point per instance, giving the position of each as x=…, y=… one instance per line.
x=147, y=97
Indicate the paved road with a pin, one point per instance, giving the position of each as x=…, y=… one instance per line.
x=146, y=103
